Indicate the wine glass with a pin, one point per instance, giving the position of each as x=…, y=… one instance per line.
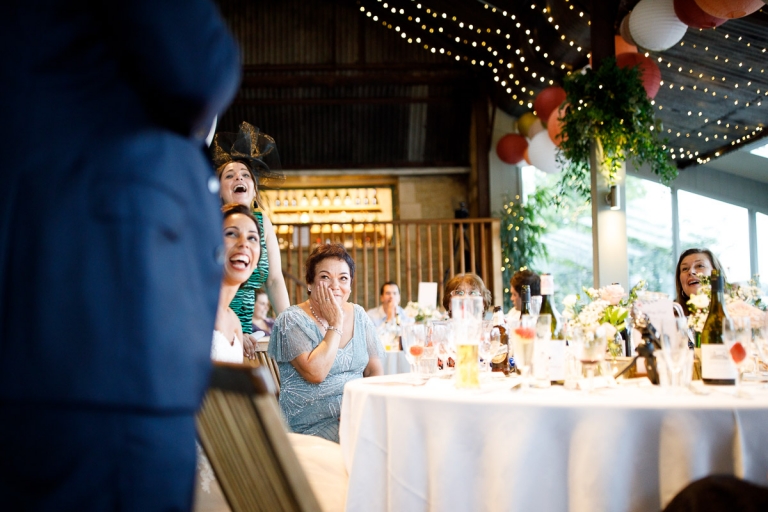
x=675, y=349
x=760, y=339
x=737, y=334
x=523, y=334
x=535, y=305
x=590, y=350
x=414, y=337
x=442, y=339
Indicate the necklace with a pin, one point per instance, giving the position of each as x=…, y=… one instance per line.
x=324, y=326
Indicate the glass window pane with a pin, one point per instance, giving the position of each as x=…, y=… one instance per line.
x=762, y=251
x=649, y=235
x=721, y=227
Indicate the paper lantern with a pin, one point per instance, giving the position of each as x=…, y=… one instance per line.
x=548, y=101
x=524, y=123
x=543, y=153
x=626, y=35
x=511, y=147
x=649, y=71
x=654, y=25
x=555, y=126
x=535, y=128
x=691, y=14
x=620, y=46
x=729, y=9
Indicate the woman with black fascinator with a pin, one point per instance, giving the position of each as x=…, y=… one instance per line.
x=244, y=161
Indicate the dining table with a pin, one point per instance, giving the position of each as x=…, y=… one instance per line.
x=412, y=445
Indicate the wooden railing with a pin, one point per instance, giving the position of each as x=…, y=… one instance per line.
x=406, y=252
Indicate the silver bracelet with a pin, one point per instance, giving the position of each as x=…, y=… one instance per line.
x=334, y=328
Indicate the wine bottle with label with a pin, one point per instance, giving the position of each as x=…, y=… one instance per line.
x=525, y=294
x=500, y=359
x=557, y=343
x=716, y=364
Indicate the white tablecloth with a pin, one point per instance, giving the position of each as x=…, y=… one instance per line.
x=435, y=448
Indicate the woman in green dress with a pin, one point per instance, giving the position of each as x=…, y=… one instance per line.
x=244, y=161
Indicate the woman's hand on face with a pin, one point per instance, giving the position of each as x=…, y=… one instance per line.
x=329, y=305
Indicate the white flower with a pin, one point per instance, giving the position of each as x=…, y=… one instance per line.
x=699, y=300
x=613, y=294
x=610, y=330
x=569, y=301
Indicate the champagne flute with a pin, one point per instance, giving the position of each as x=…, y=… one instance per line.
x=590, y=350
x=535, y=305
x=737, y=334
x=414, y=337
x=675, y=345
x=442, y=338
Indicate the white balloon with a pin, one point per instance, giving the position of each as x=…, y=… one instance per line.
x=542, y=153
x=654, y=25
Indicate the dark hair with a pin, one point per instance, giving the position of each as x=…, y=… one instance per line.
x=230, y=209
x=681, y=298
x=473, y=280
x=256, y=195
x=388, y=283
x=528, y=277
x=325, y=251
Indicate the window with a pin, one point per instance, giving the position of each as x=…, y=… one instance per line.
x=762, y=250
x=649, y=235
x=721, y=227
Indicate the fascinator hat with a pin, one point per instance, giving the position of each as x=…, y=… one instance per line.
x=255, y=149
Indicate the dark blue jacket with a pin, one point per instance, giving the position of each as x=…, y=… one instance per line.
x=108, y=231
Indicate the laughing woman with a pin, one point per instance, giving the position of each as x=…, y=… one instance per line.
x=692, y=264
x=244, y=161
x=241, y=252
x=322, y=344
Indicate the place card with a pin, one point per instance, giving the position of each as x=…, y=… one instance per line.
x=428, y=295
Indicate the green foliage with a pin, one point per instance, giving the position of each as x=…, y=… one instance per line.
x=521, y=230
x=611, y=107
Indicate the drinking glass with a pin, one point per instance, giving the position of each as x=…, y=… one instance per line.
x=589, y=346
x=760, y=338
x=737, y=335
x=467, y=313
x=414, y=338
x=675, y=350
x=523, y=334
x=540, y=363
x=442, y=339
x=535, y=305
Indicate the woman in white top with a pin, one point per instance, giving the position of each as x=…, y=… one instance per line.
x=241, y=254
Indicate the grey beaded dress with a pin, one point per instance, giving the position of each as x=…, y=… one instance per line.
x=315, y=409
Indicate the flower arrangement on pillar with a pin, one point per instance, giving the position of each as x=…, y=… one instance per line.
x=610, y=106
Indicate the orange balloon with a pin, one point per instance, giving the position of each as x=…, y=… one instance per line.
x=620, y=45
x=555, y=125
x=729, y=9
x=526, y=157
x=649, y=71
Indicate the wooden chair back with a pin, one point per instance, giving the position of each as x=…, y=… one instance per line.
x=244, y=436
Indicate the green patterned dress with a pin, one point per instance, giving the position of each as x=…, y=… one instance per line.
x=245, y=298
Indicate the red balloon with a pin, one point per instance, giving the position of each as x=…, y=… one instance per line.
x=555, y=125
x=511, y=148
x=548, y=100
x=729, y=8
x=649, y=71
x=691, y=14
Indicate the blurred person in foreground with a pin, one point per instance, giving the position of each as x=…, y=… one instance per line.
x=323, y=343
x=692, y=264
x=109, y=280
x=466, y=285
x=520, y=278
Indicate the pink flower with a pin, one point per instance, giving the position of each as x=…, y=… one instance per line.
x=612, y=294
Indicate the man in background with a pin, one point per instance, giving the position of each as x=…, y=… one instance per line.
x=109, y=228
x=389, y=311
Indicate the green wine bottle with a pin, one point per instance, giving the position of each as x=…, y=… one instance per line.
x=525, y=294
x=716, y=364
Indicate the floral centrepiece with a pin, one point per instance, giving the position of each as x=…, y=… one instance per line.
x=607, y=307
x=740, y=302
x=420, y=314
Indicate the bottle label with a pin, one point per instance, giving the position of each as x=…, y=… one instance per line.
x=501, y=355
x=716, y=362
x=557, y=360
x=547, y=284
